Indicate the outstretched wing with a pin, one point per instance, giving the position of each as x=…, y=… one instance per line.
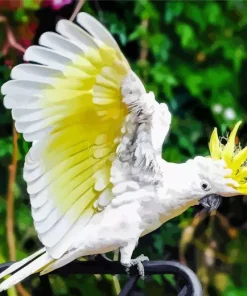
x=70, y=105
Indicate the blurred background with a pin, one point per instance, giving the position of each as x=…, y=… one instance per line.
x=193, y=55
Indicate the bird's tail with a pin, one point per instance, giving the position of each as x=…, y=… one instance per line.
x=27, y=266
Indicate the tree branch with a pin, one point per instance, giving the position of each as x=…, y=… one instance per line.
x=11, y=41
x=10, y=199
x=144, y=43
x=10, y=207
x=77, y=9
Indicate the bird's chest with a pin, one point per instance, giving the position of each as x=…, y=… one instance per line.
x=166, y=207
x=128, y=221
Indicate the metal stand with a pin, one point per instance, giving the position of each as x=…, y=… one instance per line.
x=103, y=265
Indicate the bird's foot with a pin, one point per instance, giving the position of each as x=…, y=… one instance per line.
x=139, y=263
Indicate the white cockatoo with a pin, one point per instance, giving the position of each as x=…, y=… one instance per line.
x=95, y=174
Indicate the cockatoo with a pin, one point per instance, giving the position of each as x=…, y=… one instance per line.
x=95, y=174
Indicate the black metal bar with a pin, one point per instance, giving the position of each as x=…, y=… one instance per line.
x=106, y=266
x=184, y=291
x=4, y=266
x=129, y=286
x=45, y=285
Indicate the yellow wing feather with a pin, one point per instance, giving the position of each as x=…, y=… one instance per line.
x=77, y=113
x=72, y=185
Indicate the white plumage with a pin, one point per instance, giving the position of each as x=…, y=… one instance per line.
x=95, y=173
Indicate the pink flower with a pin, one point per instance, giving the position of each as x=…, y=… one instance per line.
x=56, y=4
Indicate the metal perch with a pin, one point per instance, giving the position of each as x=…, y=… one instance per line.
x=103, y=265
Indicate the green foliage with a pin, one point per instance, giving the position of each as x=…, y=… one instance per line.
x=31, y=4
x=196, y=59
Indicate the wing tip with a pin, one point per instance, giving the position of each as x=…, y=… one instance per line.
x=5, y=87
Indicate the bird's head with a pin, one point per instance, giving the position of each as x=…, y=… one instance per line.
x=224, y=172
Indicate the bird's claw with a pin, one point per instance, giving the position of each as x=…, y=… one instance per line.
x=139, y=263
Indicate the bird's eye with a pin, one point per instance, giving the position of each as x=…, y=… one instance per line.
x=205, y=186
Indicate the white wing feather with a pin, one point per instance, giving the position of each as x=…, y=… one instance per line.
x=81, y=76
x=96, y=135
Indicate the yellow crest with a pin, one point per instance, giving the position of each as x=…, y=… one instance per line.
x=234, y=157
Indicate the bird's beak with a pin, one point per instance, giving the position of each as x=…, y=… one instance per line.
x=211, y=202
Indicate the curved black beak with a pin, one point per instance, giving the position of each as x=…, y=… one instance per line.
x=211, y=202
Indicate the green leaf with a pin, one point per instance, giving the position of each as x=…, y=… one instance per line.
x=171, y=232
x=194, y=82
x=158, y=278
x=160, y=46
x=21, y=16
x=163, y=76
x=185, y=143
x=24, y=218
x=235, y=292
x=170, y=278
x=187, y=36
x=145, y=9
x=239, y=57
x=31, y=4
x=217, y=77
x=212, y=13
x=5, y=147
x=193, y=12
x=173, y=9
x=138, y=33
